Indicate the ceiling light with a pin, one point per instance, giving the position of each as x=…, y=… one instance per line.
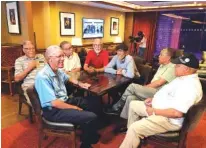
x=200, y=8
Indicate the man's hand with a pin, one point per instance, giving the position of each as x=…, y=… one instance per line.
x=149, y=110
x=76, y=107
x=119, y=71
x=32, y=65
x=148, y=102
x=84, y=85
x=91, y=69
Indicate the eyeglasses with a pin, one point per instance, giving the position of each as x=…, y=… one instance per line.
x=68, y=48
x=60, y=56
x=27, y=49
x=97, y=45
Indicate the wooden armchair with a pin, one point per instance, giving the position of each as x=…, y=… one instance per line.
x=178, y=139
x=9, y=53
x=144, y=70
x=46, y=127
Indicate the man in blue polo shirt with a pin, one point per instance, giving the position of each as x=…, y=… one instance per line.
x=57, y=106
x=122, y=63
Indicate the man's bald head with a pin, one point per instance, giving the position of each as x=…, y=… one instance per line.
x=52, y=51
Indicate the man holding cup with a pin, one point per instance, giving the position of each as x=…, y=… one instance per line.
x=27, y=66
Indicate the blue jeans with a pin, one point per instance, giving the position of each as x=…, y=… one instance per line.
x=87, y=118
x=141, y=51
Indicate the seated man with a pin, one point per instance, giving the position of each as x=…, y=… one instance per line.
x=71, y=59
x=122, y=63
x=97, y=58
x=165, y=111
x=164, y=75
x=27, y=66
x=57, y=106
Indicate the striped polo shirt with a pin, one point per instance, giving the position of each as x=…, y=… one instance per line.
x=22, y=63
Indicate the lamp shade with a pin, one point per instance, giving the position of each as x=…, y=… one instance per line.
x=76, y=41
x=118, y=39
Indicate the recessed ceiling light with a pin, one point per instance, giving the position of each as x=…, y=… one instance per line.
x=195, y=2
x=200, y=8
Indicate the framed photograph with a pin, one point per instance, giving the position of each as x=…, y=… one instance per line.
x=92, y=28
x=114, y=26
x=67, y=26
x=12, y=15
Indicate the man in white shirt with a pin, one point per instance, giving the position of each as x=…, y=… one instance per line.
x=71, y=59
x=165, y=111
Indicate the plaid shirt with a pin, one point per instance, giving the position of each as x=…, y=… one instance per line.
x=22, y=63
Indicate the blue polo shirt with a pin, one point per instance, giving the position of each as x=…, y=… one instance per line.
x=127, y=64
x=51, y=86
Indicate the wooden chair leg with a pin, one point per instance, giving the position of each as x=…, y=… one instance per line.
x=40, y=139
x=11, y=89
x=73, y=134
x=30, y=115
x=20, y=106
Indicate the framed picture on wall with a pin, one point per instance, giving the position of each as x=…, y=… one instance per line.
x=12, y=15
x=114, y=26
x=67, y=26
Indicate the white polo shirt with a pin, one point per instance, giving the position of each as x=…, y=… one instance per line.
x=180, y=94
x=72, y=62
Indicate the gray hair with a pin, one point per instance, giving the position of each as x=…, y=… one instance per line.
x=168, y=51
x=51, y=50
x=63, y=43
x=27, y=42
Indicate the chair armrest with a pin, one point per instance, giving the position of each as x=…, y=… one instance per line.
x=7, y=68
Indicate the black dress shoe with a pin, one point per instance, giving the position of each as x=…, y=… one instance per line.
x=122, y=129
x=111, y=111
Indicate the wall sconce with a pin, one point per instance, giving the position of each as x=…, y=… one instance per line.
x=117, y=40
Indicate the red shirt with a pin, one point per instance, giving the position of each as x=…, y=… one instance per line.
x=97, y=61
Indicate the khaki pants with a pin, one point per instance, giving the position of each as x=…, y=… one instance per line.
x=135, y=92
x=150, y=125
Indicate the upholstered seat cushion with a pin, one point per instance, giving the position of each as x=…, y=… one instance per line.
x=58, y=126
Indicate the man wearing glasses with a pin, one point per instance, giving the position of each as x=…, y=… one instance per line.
x=27, y=66
x=97, y=58
x=57, y=106
x=71, y=58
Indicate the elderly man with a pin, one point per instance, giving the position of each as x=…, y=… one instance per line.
x=71, y=59
x=122, y=63
x=164, y=75
x=97, y=58
x=57, y=106
x=27, y=66
x=165, y=111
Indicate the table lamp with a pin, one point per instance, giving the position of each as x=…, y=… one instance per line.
x=76, y=41
x=117, y=40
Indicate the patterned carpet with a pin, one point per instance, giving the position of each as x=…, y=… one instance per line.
x=25, y=135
